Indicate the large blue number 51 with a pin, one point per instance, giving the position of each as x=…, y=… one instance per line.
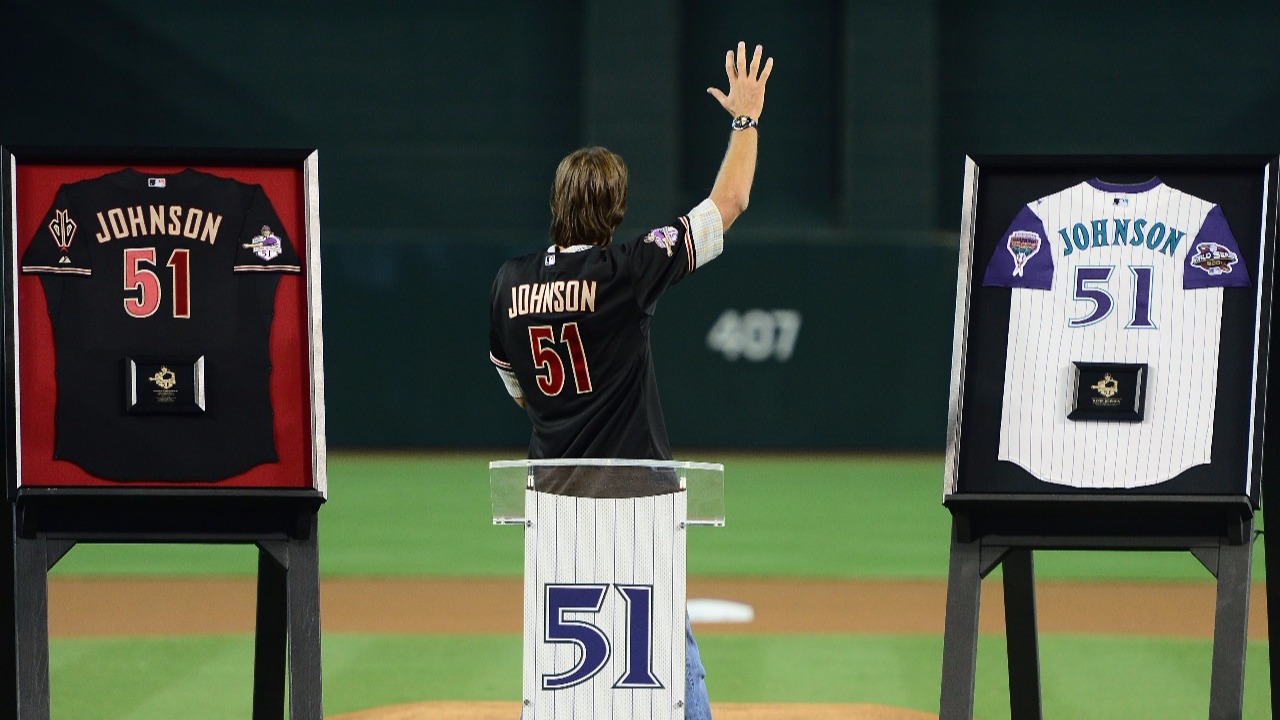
x=591, y=641
x=1091, y=286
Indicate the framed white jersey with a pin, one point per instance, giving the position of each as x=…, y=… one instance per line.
x=1113, y=273
x=1139, y=285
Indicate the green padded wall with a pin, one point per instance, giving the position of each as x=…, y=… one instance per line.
x=439, y=126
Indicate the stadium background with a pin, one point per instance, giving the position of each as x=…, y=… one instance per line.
x=439, y=125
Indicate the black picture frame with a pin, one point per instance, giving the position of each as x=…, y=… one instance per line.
x=996, y=188
x=302, y=164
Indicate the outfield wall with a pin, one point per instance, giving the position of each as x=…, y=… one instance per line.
x=439, y=125
x=787, y=347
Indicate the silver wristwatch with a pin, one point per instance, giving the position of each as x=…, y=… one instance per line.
x=742, y=122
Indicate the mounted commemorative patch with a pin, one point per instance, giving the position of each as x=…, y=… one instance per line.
x=663, y=237
x=1108, y=392
x=1023, y=244
x=265, y=245
x=1213, y=258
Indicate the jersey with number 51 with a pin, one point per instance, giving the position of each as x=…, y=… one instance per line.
x=569, y=333
x=1113, y=273
x=174, y=266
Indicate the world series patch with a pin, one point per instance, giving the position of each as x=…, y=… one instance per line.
x=1213, y=258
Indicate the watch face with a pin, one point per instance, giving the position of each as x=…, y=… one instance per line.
x=742, y=122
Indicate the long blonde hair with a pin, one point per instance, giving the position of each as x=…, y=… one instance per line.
x=588, y=197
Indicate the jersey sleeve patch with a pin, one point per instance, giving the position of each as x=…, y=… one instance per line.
x=263, y=249
x=263, y=244
x=1023, y=258
x=1214, y=260
x=655, y=261
x=266, y=244
x=671, y=240
x=58, y=246
x=663, y=237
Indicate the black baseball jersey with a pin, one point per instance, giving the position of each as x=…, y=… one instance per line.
x=572, y=327
x=172, y=268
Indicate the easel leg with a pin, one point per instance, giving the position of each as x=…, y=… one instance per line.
x=1230, y=630
x=271, y=633
x=960, y=637
x=1020, y=635
x=31, y=606
x=1271, y=555
x=304, y=626
x=8, y=615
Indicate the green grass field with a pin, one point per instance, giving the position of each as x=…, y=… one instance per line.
x=788, y=516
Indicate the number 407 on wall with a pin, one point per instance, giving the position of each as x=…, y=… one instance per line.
x=755, y=335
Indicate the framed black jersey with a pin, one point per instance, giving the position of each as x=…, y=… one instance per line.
x=162, y=316
x=1112, y=327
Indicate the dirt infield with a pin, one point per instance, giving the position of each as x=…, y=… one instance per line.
x=80, y=606
x=723, y=711
x=87, y=606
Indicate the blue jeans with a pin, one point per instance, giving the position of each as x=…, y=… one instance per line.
x=696, y=704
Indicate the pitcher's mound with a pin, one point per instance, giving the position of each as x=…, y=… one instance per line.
x=722, y=711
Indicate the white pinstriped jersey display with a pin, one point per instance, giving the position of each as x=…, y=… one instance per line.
x=1114, y=274
x=604, y=626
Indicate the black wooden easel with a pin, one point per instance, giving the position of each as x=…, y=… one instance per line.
x=42, y=525
x=990, y=531
x=1002, y=512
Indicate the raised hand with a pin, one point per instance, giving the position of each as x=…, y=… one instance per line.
x=746, y=84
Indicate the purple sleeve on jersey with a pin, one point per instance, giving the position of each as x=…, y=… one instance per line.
x=1214, y=258
x=1023, y=259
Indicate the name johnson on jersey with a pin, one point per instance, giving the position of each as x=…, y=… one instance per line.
x=1158, y=237
x=178, y=268
x=574, y=323
x=1137, y=277
x=555, y=296
x=175, y=220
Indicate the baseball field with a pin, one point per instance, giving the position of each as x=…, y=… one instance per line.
x=842, y=558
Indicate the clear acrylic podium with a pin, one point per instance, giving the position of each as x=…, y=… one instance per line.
x=604, y=580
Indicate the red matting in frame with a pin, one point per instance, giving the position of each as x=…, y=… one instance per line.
x=36, y=185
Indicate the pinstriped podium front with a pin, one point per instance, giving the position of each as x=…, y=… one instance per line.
x=604, y=589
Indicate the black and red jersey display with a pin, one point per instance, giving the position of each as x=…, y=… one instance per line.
x=166, y=322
